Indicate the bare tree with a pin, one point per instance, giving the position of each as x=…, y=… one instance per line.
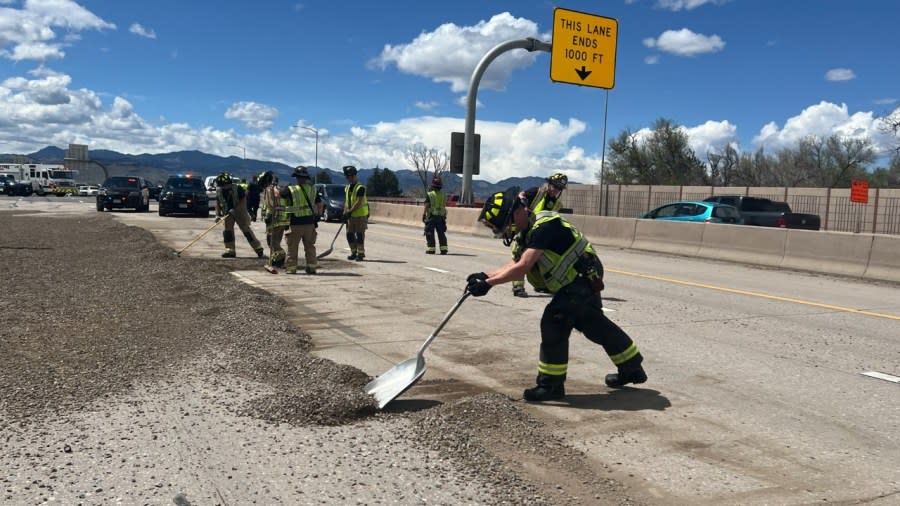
x=722, y=165
x=890, y=124
x=424, y=160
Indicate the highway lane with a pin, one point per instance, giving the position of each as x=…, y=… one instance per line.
x=756, y=392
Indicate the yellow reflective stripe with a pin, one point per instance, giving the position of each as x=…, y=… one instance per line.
x=552, y=369
x=626, y=355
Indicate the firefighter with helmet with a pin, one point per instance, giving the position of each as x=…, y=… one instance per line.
x=556, y=255
x=275, y=219
x=356, y=214
x=542, y=198
x=304, y=206
x=435, y=216
x=231, y=203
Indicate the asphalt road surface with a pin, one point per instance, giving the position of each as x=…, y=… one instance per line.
x=765, y=386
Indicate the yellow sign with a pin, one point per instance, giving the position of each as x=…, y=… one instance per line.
x=584, y=49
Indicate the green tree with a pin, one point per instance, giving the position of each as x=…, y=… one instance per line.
x=887, y=177
x=662, y=158
x=323, y=177
x=383, y=183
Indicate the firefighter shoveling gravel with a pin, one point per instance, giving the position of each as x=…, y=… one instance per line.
x=132, y=376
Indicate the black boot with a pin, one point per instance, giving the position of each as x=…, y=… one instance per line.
x=542, y=393
x=626, y=376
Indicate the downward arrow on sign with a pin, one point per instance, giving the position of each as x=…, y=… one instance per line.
x=583, y=73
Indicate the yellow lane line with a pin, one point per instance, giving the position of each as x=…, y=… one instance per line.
x=702, y=285
x=757, y=294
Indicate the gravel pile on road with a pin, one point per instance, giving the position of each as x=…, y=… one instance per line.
x=94, y=306
x=94, y=310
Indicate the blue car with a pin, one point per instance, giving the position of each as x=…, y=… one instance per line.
x=701, y=212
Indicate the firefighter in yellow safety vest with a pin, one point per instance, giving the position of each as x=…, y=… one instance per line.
x=557, y=254
x=435, y=217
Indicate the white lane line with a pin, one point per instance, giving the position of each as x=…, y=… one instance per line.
x=882, y=376
x=608, y=310
x=435, y=269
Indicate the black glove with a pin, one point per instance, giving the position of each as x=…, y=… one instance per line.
x=476, y=275
x=218, y=219
x=478, y=287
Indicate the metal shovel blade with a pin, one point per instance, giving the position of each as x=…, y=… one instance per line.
x=330, y=248
x=396, y=380
x=399, y=378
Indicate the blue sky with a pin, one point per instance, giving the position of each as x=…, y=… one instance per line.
x=375, y=78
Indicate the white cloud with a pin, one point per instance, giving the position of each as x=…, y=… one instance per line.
x=685, y=42
x=885, y=101
x=29, y=31
x=42, y=109
x=677, y=5
x=138, y=29
x=450, y=53
x=652, y=59
x=426, y=106
x=711, y=137
x=253, y=115
x=839, y=75
x=823, y=120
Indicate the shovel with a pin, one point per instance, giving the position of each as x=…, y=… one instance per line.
x=330, y=248
x=214, y=225
x=399, y=378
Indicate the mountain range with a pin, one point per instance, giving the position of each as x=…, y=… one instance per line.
x=157, y=168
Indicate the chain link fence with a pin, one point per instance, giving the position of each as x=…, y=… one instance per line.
x=881, y=215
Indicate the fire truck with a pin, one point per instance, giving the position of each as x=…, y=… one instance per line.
x=43, y=178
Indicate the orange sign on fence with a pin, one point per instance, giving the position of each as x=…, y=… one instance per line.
x=859, y=191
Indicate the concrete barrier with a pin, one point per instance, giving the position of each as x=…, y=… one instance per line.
x=740, y=243
x=884, y=259
x=604, y=231
x=840, y=253
x=669, y=236
x=867, y=256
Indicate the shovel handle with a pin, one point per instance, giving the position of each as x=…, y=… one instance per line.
x=443, y=322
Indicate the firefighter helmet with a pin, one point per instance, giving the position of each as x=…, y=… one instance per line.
x=301, y=172
x=436, y=182
x=349, y=170
x=499, y=207
x=223, y=179
x=558, y=180
x=265, y=178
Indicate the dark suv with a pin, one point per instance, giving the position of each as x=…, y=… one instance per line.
x=332, y=200
x=184, y=195
x=121, y=192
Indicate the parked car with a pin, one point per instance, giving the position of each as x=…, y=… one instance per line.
x=7, y=183
x=332, y=200
x=692, y=211
x=210, y=184
x=87, y=190
x=124, y=192
x=184, y=194
x=11, y=187
x=768, y=213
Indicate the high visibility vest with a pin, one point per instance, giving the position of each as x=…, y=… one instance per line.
x=303, y=203
x=542, y=198
x=350, y=198
x=555, y=270
x=282, y=218
x=438, y=203
x=223, y=203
